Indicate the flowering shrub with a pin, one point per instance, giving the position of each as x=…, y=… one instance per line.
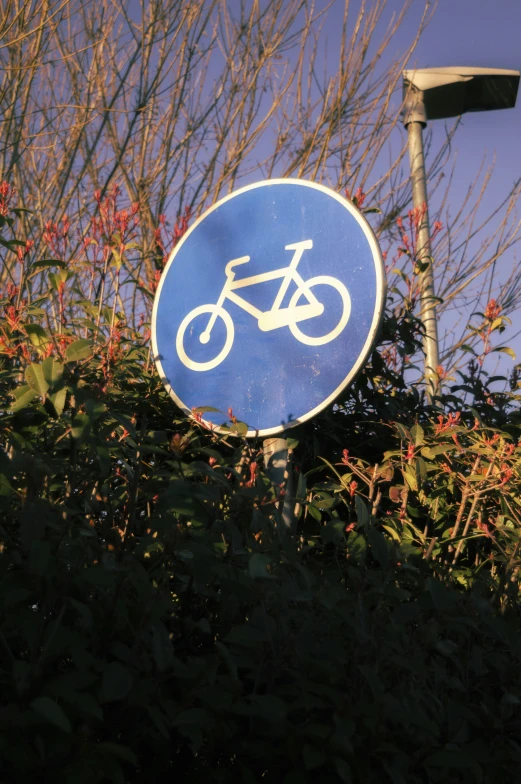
x=156, y=615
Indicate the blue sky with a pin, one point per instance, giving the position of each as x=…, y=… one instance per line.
x=486, y=34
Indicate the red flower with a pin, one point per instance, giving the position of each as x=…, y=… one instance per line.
x=359, y=198
x=506, y=474
x=22, y=252
x=179, y=444
x=484, y=527
x=438, y=226
x=452, y=421
x=492, y=310
x=253, y=474
x=7, y=193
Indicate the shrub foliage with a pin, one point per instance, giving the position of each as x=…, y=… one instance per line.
x=158, y=617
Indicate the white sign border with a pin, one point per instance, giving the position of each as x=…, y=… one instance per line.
x=381, y=291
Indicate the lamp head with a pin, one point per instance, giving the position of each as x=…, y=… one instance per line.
x=438, y=93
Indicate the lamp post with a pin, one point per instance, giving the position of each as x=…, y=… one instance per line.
x=435, y=94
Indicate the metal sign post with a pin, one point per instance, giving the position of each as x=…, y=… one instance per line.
x=278, y=465
x=269, y=306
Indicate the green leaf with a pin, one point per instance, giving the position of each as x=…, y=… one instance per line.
x=58, y=400
x=420, y=468
x=52, y=712
x=162, y=647
x=314, y=511
x=433, y=451
x=313, y=757
x=23, y=396
x=505, y=350
x=395, y=535
x=247, y=635
x=324, y=500
x=446, y=647
x=356, y=547
x=52, y=371
x=78, y=350
x=301, y=487
x=125, y=422
x=11, y=244
x=39, y=557
x=115, y=750
x=403, y=432
x=362, y=513
x=195, y=716
x=80, y=426
x=35, y=378
x=333, y=532
x=239, y=428
x=257, y=566
x=269, y=706
x=43, y=263
x=510, y=699
x=417, y=435
x=116, y=682
x=37, y=334
x=442, y=597
x=410, y=478
x=343, y=770
x=83, y=611
x=379, y=546
x=455, y=759
x=54, y=280
x=86, y=703
x=294, y=777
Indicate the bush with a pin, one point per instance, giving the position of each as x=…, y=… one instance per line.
x=158, y=617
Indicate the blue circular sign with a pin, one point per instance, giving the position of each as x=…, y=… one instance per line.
x=269, y=305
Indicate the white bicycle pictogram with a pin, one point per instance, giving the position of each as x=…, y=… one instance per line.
x=267, y=320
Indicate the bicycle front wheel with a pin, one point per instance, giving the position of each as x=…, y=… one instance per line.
x=313, y=340
x=189, y=324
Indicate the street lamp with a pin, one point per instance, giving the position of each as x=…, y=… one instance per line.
x=434, y=94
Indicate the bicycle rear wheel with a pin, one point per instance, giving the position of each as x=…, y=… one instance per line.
x=312, y=340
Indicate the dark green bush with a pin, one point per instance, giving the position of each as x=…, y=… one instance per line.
x=156, y=616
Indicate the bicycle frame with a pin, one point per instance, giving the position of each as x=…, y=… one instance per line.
x=277, y=316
